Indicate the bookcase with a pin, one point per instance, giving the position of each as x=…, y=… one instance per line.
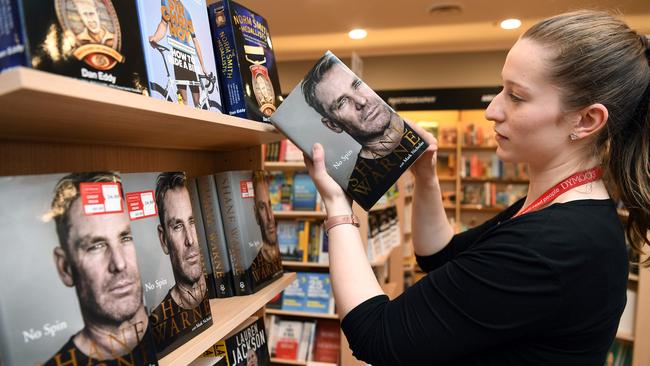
x=51, y=124
x=388, y=265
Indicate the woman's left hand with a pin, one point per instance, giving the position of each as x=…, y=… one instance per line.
x=336, y=200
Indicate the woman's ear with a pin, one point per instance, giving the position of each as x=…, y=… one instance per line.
x=590, y=120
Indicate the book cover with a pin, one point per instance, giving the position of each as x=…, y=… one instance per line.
x=319, y=297
x=169, y=257
x=367, y=145
x=247, y=67
x=287, y=339
x=288, y=240
x=304, y=192
x=327, y=341
x=202, y=238
x=216, y=237
x=92, y=40
x=295, y=295
x=178, y=52
x=12, y=40
x=251, y=233
x=247, y=345
x=72, y=290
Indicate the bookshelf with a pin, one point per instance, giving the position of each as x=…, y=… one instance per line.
x=52, y=124
x=301, y=314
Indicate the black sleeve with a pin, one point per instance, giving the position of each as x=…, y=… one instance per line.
x=460, y=242
x=483, y=297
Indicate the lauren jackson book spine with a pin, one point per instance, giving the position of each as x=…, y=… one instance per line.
x=368, y=146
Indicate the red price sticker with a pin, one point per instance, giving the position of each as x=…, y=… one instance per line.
x=141, y=205
x=246, y=188
x=101, y=198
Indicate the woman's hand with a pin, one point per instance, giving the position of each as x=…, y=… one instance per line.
x=336, y=200
x=424, y=169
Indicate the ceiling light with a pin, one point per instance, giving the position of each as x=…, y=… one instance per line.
x=358, y=33
x=510, y=24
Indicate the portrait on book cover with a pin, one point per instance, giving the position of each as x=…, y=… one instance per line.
x=269, y=250
x=92, y=31
x=79, y=299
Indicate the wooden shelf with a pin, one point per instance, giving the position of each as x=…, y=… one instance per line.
x=625, y=337
x=284, y=165
x=479, y=148
x=382, y=259
x=227, y=314
x=39, y=106
x=299, y=214
x=493, y=180
x=383, y=205
x=447, y=148
x=296, y=264
x=446, y=179
x=302, y=314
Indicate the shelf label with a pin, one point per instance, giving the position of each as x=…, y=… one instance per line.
x=141, y=205
x=246, y=188
x=101, y=198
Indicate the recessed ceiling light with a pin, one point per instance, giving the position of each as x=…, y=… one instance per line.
x=510, y=24
x=358, y=33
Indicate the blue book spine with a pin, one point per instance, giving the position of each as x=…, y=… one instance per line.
x=13, y=51
x=223, y=40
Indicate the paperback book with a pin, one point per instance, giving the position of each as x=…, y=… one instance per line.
x=244, y=52
x=178, y=52
x=71, y=267
x=367, y=144
x=169, y=257
x=96, y=41
x=247, y=345
x=251, y=233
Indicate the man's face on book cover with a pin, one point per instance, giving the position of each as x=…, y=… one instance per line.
x=180, y=236
x=89, y=15
x=102, y=260
x=351, y=105
x=264, y=213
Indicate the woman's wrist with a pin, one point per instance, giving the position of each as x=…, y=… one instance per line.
x=337, y=207
x=428, y=182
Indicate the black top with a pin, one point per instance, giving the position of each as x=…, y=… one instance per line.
x=545, y=288
x=143, y=354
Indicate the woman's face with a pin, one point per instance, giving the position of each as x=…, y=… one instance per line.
x=530, y=124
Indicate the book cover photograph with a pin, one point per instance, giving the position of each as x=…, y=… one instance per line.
x=247, y=345
x=208, y=204
x=367, y=144
x=169, y=256
x=71, y=292
x=244, y=52
x=93, y=40
x=178, y=52
x=251, y=232
x=202, y=238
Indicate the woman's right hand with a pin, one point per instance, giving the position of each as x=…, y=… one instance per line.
x=424, y=169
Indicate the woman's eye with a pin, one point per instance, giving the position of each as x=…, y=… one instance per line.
x=514, y=98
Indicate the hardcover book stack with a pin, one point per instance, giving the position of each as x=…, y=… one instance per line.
x=294, y=340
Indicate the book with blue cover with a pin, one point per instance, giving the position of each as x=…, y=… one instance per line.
x=294, y=297
x=95, y=41
x=288, y=240
x=319, y=294
x=178, y=52
x=247, y=67
x=304, y=192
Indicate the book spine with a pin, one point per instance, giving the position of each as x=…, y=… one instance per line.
x=200, y=234
x=215, y=236
x=223, y=40
x=13, y=50
x=233, y=224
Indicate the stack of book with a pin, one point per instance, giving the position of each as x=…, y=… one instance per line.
x=294, y=340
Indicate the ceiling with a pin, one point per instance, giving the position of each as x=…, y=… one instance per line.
x=304, y=29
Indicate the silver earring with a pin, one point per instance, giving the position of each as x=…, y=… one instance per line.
x=573, y=136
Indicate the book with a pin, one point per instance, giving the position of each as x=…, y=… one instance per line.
x=319, y=298
x=327, y=342
x=286, y=338
x=216, y=236
x=169, y=257
x=71, y=266
x=304, y=192
x=178, y=52
x=244, y=346
x=201, y=237
x=95, y=41
x=247, y=67
x=251, y=233
x=294, y=296
x=288, y=240
x=367, y=145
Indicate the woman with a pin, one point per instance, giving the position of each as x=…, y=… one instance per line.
x=544, y=282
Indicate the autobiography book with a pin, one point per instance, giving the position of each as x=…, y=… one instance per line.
x=169, y=256
x=178, y=52
x=247, y=345
x=247, y=67
x=216, y=237
x=367, y=144
x=93, y=40
x=202, y=238
x=71, y=267
x=251, y=233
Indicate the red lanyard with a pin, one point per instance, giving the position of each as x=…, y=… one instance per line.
x=576, y=180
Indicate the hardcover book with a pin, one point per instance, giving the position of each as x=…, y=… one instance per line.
x=71, y=267
x=247, y=67
x=169, y=257
x=251, y=233
x=216, y=237
x=246, y=346
x=178, y=52
x=202, y=238
x=93, y=40
x=367, y=145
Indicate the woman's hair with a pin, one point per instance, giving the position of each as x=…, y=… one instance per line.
x=599, y=59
